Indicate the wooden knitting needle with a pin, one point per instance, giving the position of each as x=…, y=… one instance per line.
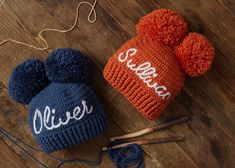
x=144, y=142
x=149, y=130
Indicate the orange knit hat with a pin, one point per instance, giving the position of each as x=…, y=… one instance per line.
x=149, y=70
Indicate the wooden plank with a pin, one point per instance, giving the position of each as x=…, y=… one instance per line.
x=7, y=67
x=10, y=59
x=157, y=156
x=209, y=100
x=219, y=130
x=9, y=158
x=12, y=119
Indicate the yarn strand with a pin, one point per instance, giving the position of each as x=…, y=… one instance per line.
x=11, y=137
x=14, y=140
x=8, y=135
x=40, y=34
x=123, y=157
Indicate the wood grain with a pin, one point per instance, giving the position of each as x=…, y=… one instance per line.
x=208, y=100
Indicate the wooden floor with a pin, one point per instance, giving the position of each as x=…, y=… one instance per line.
x=208, y=100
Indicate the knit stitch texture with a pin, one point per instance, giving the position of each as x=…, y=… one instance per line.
x=149, y=69
x=65, y=98
x=63, y=111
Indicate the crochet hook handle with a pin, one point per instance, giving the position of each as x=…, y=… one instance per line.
x=149, y=130
x=144, y=142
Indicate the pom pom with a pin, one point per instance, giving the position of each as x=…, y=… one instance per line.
x=163, y=25
x=27, y=80
x=195, y=54
x=66, y=65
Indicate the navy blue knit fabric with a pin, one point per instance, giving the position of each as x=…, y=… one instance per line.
x=62, y=112
x=67, y=65
x=27, y=80
x=63, y=98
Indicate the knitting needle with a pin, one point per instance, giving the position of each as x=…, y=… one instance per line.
x=144, y=142
x=149, y=130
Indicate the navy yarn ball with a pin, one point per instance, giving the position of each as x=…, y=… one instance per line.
x=27, y=80
x=66, y=65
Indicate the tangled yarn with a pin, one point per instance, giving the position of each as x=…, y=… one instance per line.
x=130, y=155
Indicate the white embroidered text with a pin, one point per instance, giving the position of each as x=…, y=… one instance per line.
x=145, y=71
x=47, y=119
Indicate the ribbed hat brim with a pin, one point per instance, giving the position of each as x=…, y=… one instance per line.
x=84, y=130
x=132, y=90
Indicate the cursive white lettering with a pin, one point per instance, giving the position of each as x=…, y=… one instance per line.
x=145, y=71
x=47, y=119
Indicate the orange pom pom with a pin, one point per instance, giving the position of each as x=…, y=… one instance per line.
x=163, y=25
x=195, y=54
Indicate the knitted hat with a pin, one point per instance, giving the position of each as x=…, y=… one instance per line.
x=149, y=70
x=63, y=110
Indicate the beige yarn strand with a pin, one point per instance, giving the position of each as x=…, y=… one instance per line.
x=40, y=34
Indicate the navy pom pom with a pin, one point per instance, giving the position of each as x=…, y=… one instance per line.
x=27, y=80
x=66, y=65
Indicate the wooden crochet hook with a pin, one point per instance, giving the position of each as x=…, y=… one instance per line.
x=144, y=142
x=149, y=130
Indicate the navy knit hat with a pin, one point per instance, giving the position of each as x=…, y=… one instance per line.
x=63, y=110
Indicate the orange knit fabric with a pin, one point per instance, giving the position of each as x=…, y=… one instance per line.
x=149, y=70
